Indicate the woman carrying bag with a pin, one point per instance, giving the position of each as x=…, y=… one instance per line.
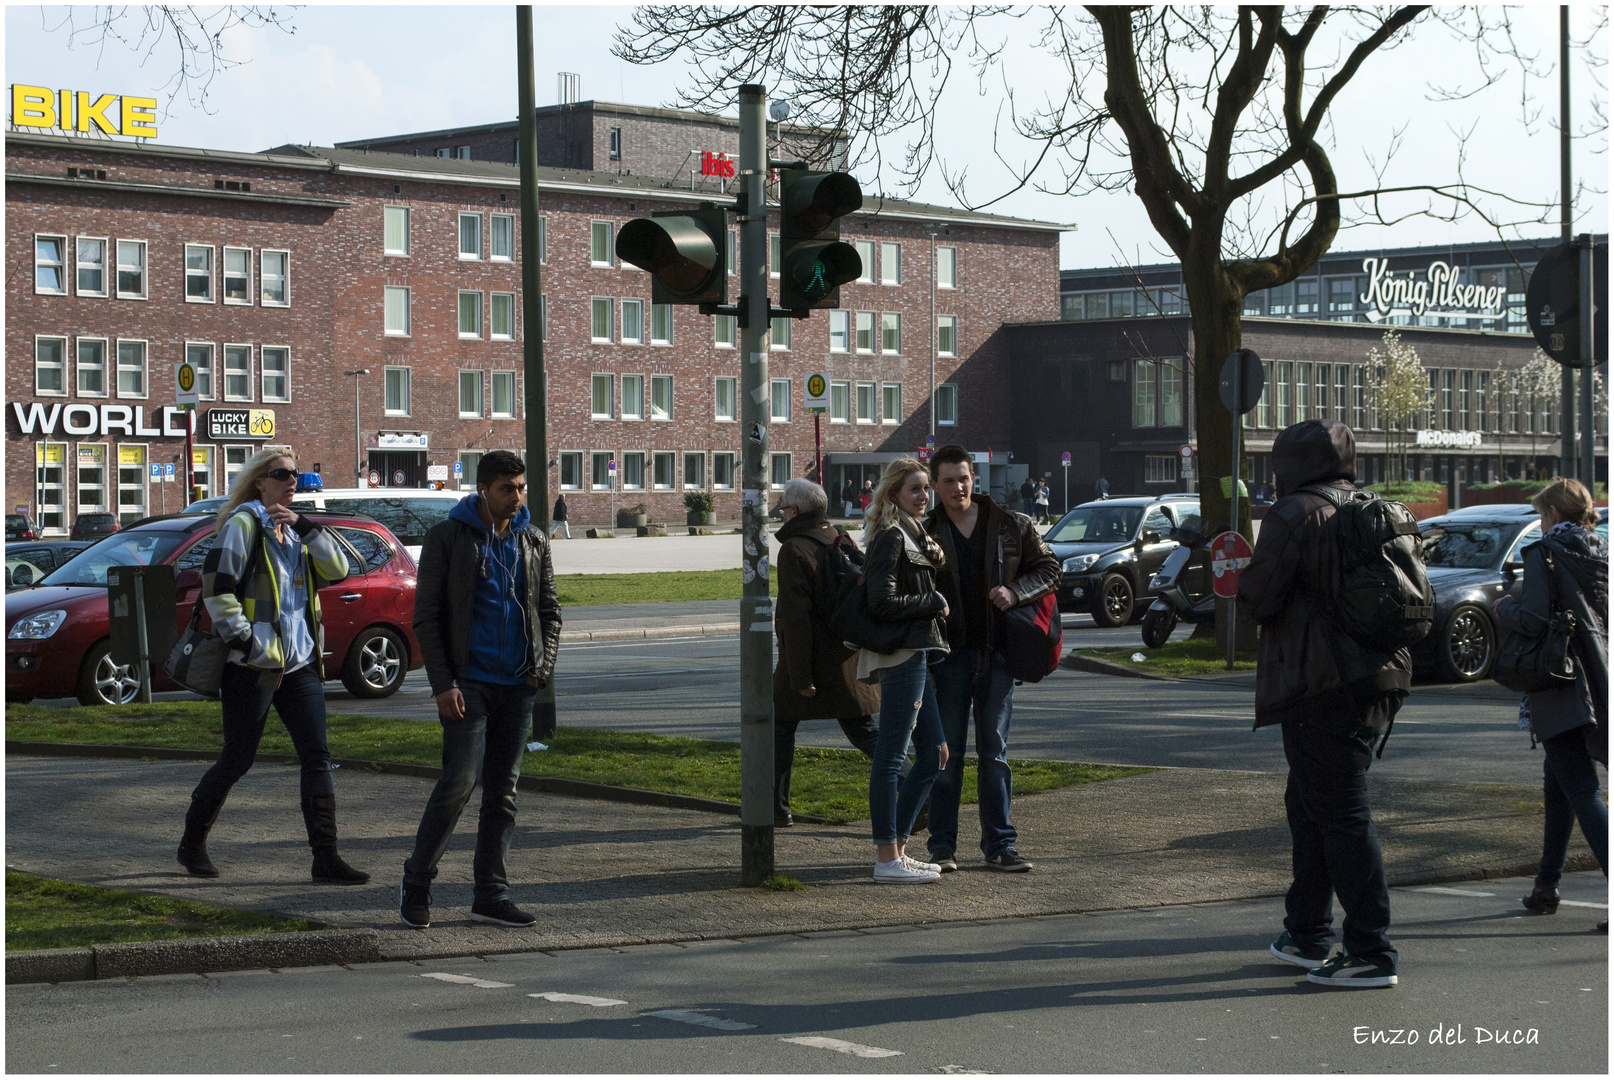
x=901, y=588
x=1567, y=570
x=261, y=585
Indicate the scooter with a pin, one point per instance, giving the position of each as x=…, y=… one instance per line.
x=1177, y=590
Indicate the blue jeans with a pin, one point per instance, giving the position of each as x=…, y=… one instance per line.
x=907, y=707
x=488, y=741
x=299, y=700
x=974, y=678
x=1571, y=794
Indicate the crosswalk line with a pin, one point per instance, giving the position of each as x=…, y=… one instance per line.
x=1582, y=903
x=700, y=1019
x=1448, y=891
x=841, y=1046
x=578, y=999
x=485, y=984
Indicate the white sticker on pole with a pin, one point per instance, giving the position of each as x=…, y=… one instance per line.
x=750, y=497
x=760, y=395
x=758, y=357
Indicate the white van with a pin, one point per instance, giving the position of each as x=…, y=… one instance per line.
x=408, y=512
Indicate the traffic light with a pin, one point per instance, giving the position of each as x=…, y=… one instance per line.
x=683, y=250
x=813, y=263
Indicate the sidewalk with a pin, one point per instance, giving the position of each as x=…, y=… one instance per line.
x=602, y=874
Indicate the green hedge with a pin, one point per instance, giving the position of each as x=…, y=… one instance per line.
x=1531, y=487
x=1408, y=488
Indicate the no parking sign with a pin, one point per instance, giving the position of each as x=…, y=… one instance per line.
x=1230, y=554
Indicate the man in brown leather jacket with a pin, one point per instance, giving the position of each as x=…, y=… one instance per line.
x=996, y=560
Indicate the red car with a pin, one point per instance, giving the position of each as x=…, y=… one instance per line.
x=57, y=642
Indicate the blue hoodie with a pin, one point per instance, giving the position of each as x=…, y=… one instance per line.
x=501, y=650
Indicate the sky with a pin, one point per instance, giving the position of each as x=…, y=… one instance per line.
x=350, y=72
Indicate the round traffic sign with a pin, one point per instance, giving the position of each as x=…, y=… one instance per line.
x=816, y=385
x=1064, y=459
x=1185, y=452
x=1242, y=381
x=398, y=478
x=375, y=478
x=187, y=378
x=1230, y=554
x=611, y=465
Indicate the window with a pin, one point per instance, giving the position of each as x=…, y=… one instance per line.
x=276, y=373
x=1283, y=373
x=600, y=474
x=633, y=397
x=1341, y=298
x=779, y=334
x=1306, y=297
x=1120, y=305
x=773, y=255
x=946, y=335
x=1359, y=399
x=599, y=241
x=779, y=400
x=237, y=275
x=633, y=471
x=890, y=332
x=724, y=395
x=1255, y=303
x=395, y=230
x=50, y=485
x=543, y=316
x=1342, y=383
x=840, y=327
x=396, y=401
x=734, y=252
x=1143, y=388
x=1319, y=402
x=865, y=254
x=91, y=367
x=600, y=397
x=543, y=240
x=865, y=331
x=198, y=274
x=1098, y=305
x=661, y=387
x=723, y=471
x=50, y=264
x=275, y=283
x=91, y=470
x=600, y=319
x=132, y=369
x=661, y=316
x=840, y=403
x=501, y=237
x=778, y=470
x=397, y=311
x=1170, y=393
x=723, y=331
x=504, y=394
x=132, y=483
x=502, y=316
x=946, y=404
x=131, y=269
x=616, y=144
x=238, y=373
x=469, y=461
x=661, y=471
x=1302, y=393
x=202, y=470
x=1281, y=299
x=90, y=266
x=947, y=268
x=865, y=403
x=470, y=393
x=470, y=236
x=891, y=403
x=1159, y=468
x=571, y=470
x=890, y=264
x=50, y=365
x=1465, y=399
x=235, y=458
x=1482, y=400
x=470, y=314
x=694, y=471
x=1448, y=395
x=632, y=322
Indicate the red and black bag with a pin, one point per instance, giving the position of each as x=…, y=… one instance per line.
x=1032, y=637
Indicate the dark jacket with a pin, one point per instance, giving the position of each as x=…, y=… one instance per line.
x=1015, y=556
x=902, y=588
x=809, y=653
x=445, y=593
x=560, y=509
x=1578, y=584
x=1308, y=669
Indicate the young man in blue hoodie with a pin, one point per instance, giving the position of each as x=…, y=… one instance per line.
x=488, y=621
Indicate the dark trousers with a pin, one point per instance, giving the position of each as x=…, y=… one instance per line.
x=1336, y=849
x=487, y=742
x=861, y=731
x=299, y=700
x=974, y=681
x=1571, y=793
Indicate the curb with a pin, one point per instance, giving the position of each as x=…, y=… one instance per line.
x=194, y=956
x=649, y=632
x=1106, y=667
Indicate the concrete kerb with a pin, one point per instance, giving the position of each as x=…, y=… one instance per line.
x=649, y=632
x=1095, y=666
x=195, y=956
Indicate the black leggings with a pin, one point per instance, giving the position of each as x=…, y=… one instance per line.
x=300, y=701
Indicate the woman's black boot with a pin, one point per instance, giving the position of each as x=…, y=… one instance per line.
x=199, y=819
x=1542, y=901
x=319, y=814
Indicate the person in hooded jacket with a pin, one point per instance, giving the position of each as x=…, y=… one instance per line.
x=1333, y=698
x=1567, y=570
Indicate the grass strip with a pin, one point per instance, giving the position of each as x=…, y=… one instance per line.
x=828, y=783
x=670, y=586
x=43, y=913
x=1194, y=656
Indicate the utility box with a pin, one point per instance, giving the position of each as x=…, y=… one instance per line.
x=132, y=590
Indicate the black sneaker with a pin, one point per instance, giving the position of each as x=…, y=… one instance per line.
x=414, y=905
x=502, y=912
x=1290, y=951
x=784, y=820
x=1347, y=970
x=1009, y=862
x=944, y=861
x=1542, y=901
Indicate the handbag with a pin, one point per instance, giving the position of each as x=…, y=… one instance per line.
x=198, y=658
x=1032, y=636
x=852, y=622
x=1531, y=665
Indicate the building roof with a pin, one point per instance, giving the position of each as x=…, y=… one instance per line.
x=606, y=107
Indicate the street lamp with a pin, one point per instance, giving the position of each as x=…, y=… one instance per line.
x=933, y=228
x=358, y=438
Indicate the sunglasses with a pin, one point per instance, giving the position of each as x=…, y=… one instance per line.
x=281, y=474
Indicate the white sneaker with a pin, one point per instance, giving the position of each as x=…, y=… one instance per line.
x=920, y=864
x=899, y=872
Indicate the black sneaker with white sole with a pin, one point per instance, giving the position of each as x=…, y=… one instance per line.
x=1303, y=954
x=502, y=912
x=1009, y=862
x=944, y=861
x=1351, y=971
x=415, y=905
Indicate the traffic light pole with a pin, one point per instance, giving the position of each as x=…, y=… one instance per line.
x=756, y=609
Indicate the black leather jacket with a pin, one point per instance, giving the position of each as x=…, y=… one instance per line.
x=445, y=593
x=902, y=588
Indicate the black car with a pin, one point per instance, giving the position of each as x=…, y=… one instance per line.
x=30, y=560
x=19, y=527
x=1473, y=557
x=94, y=526
x=1110, y=549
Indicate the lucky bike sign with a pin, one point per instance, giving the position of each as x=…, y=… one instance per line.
x=1230, y=554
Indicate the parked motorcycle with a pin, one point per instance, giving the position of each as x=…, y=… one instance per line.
x=1182, y=589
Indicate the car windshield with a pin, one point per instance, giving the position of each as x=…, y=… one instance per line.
x=1096, y=525
x=407, y=518
x=142, y=548
x=1465, y=547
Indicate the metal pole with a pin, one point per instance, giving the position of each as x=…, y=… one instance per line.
x=1566, y=440
x=144, y=660
x=358, y=438
x=1233, y=502
x=818, y=450
x=756, y=610
x=190, y=479
x=532, y=336
x=933, y=339
x=1588, y=430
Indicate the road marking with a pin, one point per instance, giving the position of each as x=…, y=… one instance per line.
x=841, y=1046
x=1582, y=903
x=578, y=999
x=1444, y=891
x=485, y=984
x=959, y=1070
x=699, y=1019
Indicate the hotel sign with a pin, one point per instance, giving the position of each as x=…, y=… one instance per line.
x=39, y=418
x=78, y=110
x=1439, y=293
x=719, y=165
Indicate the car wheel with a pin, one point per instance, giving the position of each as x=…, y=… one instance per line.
x=103, y=682
x=1114, y=603
x=1466, y=645
x=376, y=664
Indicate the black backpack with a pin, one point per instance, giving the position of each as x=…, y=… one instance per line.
x=843, y=563
x=1385, y=601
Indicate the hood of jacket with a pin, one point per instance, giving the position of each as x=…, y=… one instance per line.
x=468, y=512
x=1313, y=452
x=1584, y=554
x=801, y=524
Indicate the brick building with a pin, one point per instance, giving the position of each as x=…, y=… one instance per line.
x=280, y=273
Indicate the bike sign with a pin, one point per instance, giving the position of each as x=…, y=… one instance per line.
x=1230, y=554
